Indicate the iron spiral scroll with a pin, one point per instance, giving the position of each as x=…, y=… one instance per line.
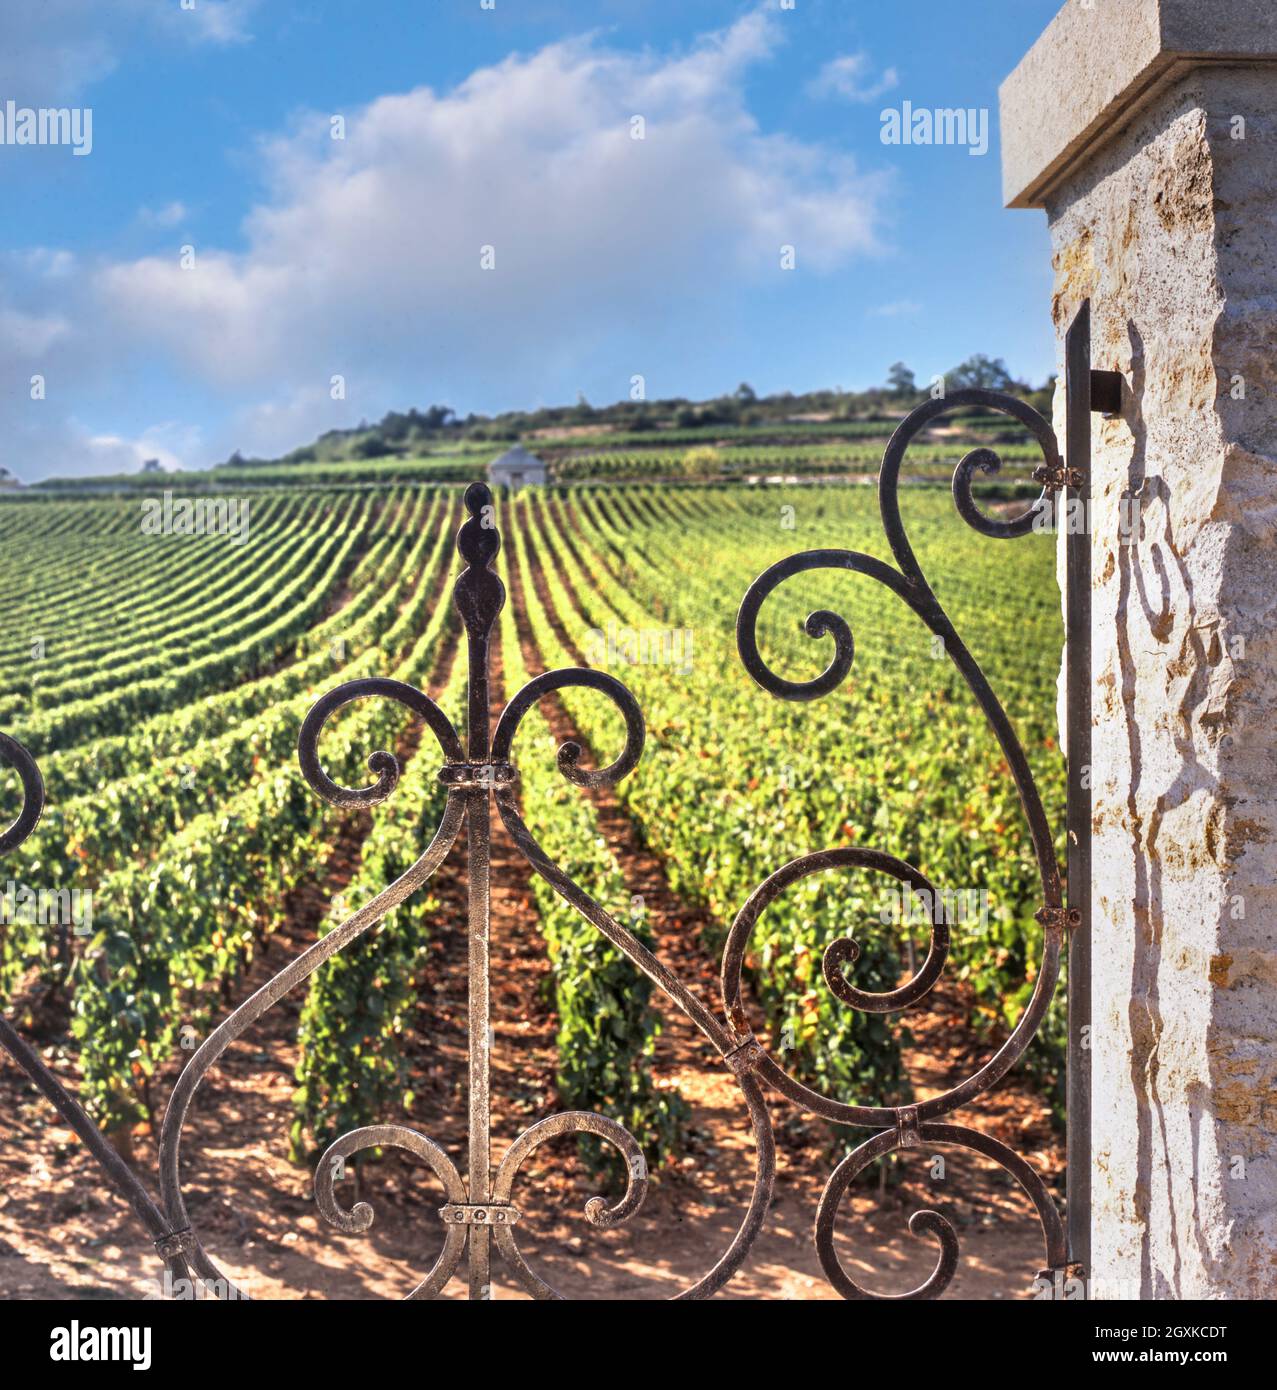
x=480, y=1210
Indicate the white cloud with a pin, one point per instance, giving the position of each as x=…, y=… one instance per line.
x=849, y=78
x=43, y=263
x=51, y=354
x=41, y=444
x=364, y=257
x=169, y=215
x=53, y=50
x=269, y=428
x=109, y=453
x=210, y=21
x=37, y=333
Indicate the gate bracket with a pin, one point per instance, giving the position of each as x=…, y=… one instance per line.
x=907, y=1136
x=176, y=1243
x=1106, y=394
x=477, y=776
x=482, y=1214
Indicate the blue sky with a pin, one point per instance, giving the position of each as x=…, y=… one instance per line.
x=510, y=127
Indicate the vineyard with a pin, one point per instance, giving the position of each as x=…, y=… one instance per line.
x=161, y=681
x=805, y=449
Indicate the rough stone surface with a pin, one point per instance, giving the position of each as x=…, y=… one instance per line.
x=1171, y=231
x=1097, y=64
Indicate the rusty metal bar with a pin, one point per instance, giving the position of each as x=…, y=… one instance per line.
x=480, y=597
x=1079, y=404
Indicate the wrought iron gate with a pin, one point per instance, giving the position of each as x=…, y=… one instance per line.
x=478, y=773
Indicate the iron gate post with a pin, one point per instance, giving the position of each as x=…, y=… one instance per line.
x=1077, y=545
x=480, y=597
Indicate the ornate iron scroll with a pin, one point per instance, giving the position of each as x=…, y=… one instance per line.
x=907, y=1126
x=481, y=1209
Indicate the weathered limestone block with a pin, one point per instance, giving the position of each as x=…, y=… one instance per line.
x=1158, y=172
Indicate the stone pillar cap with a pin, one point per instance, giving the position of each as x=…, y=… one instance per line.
x=1098, y=63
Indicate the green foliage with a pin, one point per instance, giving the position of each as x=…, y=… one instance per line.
x=189, y=879
x=607, y=1026
x=701, y=462
x=353, y=1069
x=735, y=783
x=981, y=372
x=901, y=381
x=178, y=670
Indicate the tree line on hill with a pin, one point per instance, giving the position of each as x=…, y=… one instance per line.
x=405, y=433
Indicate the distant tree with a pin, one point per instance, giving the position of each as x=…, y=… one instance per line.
x=438, y=417
x=745, y=393
x=394, y=426
x=1043, y=399
x=901, y=381
x=983, y=373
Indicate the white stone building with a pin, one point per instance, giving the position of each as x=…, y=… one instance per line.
x=516, y=468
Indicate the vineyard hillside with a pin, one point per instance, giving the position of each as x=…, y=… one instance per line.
x=161, y=677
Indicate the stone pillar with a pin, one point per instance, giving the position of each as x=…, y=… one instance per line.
x=1147, y=130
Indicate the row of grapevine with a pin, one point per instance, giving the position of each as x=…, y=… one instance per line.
x=211, y=588
x=320, y=651
x=187, y=893
x=936, y=460
x=179, y=670
x=122, y=818
x=879, y=763
x=828, y=1046
x=194, y=914
x=110, y=577
x=107, y=710
x=607, y=1025
x=231, y=614
x=352, y=1068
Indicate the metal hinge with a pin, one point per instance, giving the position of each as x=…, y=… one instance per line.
x=1058, y=477
x=1059, y=918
